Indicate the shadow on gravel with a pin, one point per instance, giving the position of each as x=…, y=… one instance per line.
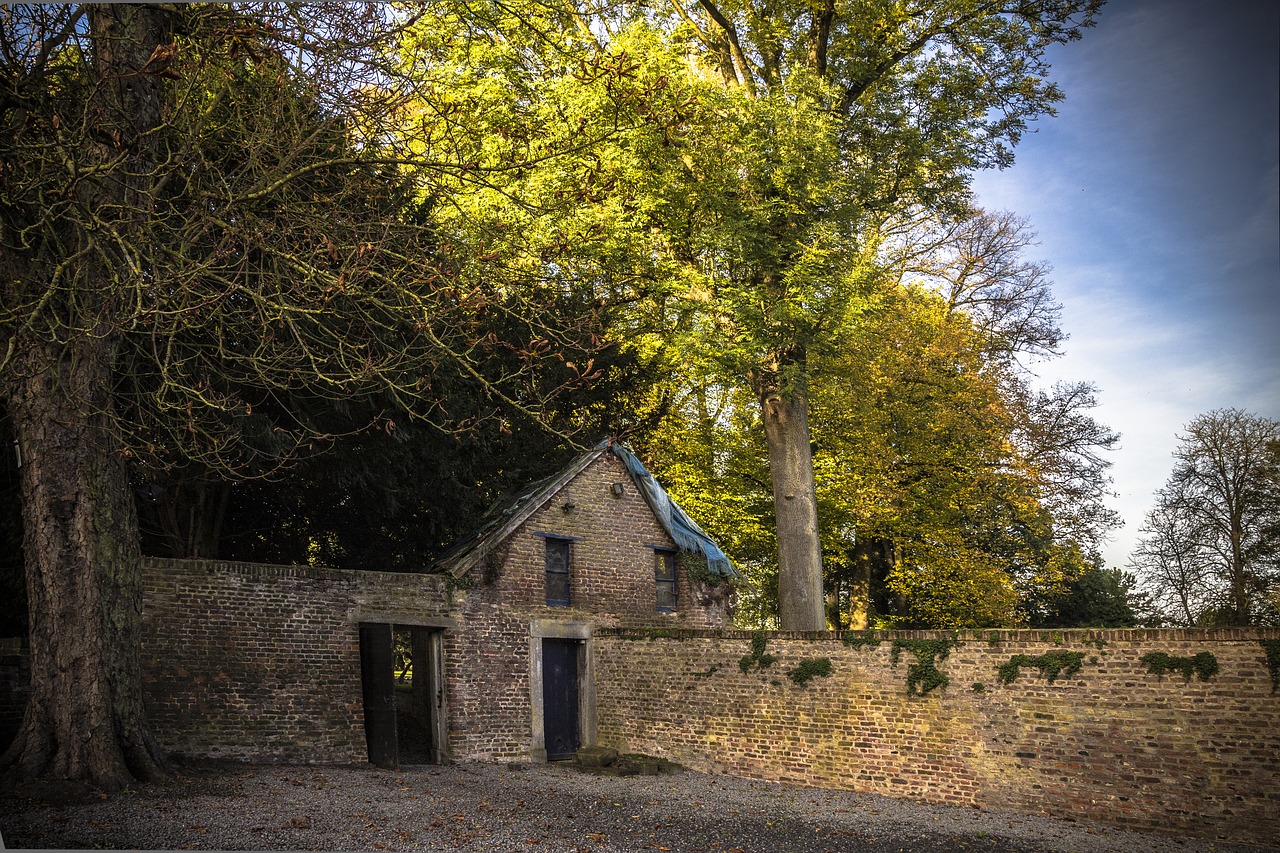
x=482, y=807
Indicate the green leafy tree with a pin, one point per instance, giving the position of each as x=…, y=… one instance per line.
x=744, y=217
x=1097, y=598
x=830, y=118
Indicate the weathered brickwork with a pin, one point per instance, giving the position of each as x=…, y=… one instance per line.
x=1112, y=742
x=487, y=671
x=611, y=581
x=263, y=662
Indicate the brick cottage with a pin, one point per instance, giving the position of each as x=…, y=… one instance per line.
x=297, y=663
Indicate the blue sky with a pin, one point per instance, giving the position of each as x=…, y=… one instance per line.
x=1154, y=192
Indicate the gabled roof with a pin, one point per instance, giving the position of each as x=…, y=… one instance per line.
x=505, y=518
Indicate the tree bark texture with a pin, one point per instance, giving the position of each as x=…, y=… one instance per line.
x=795, y=504
x=84, y=718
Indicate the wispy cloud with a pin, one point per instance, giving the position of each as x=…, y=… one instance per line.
x=1155, y=196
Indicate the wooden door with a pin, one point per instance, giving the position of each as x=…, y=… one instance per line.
x=377, y=680
x=420, y=711
x=560, y=698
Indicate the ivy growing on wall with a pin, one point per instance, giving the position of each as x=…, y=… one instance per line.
x=1052, y=665
x=1272, y=648
x=810, y=668
x=923, y=675
x=757, y=658
x=860, y=641
x=1204, y=665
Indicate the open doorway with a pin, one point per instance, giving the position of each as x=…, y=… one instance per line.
x=401, y=670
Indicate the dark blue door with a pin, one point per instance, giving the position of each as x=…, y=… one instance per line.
x=560, y=697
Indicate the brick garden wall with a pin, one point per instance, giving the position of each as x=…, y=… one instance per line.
x=263, y=662
x=1112, y=742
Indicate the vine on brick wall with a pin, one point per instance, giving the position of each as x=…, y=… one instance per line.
x=757, y=658
x=810, y=668
x=854, y=640
x=1272, y=648
x=696, y=569
x=923, y=676
x=1051, y=665
x=453, y=585
x=1204, y=665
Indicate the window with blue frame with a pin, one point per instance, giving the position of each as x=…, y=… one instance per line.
x=664, y=576
x=557, y=571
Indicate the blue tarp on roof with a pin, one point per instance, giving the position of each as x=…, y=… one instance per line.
x=684, y=530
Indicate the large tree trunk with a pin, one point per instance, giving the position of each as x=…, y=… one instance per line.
x=84, y=718
x=795, y=504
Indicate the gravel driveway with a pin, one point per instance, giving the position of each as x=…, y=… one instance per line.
x=483, y=807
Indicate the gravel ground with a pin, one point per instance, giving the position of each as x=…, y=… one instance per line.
x=483, y=807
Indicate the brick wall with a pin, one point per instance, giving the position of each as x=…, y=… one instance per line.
x=263, y=662
x=611, y=582
x=1110, y=743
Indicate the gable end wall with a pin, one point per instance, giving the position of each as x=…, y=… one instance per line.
x=612, y=584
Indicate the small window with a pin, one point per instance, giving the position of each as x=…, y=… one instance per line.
x=664, y=574
x=557, y=563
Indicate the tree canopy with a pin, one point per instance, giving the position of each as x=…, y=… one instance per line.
x=796, y=133
x=1210, y=549
x=235, y=237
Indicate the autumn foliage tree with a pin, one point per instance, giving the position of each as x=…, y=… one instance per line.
x=832, y=118
x=951, y=493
